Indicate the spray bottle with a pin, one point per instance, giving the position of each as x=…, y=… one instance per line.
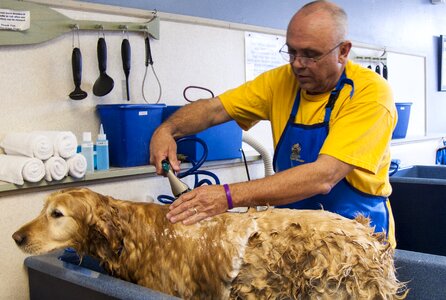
x=87, y=151
x=102, y=158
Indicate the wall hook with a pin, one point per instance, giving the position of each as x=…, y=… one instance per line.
x=75, y=29
x=125, y=31
x=100, y=28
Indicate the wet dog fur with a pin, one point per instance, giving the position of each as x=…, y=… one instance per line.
x=274, y=254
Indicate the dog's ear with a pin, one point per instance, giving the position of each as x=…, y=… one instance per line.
x=107, y=235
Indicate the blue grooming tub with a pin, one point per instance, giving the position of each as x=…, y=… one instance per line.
x=51, y=278
x=419, y=208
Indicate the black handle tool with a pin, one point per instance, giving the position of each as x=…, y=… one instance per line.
x=104, y=84
x=378, y=69
x=126, y=58
x=76, y=64
x=385, y=71
x=149, y=60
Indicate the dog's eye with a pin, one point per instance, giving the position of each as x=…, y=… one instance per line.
x=56, y=214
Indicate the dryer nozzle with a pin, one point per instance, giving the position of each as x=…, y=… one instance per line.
x=178, y=187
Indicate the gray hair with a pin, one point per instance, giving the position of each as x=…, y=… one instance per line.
x=337, y=13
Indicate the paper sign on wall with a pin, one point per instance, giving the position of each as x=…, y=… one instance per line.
x=14, y=19
x=262, y=53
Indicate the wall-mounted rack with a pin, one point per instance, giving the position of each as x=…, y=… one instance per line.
x=47, y=24
x=371, y=58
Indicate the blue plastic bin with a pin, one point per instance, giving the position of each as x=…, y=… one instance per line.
x=224, y=141
x=419, y=210
x=403, y=120
x=129, y=128
x=52, y=278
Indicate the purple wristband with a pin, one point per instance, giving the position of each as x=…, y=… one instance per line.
x=228, y=196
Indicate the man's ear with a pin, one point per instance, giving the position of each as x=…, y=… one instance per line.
x=344, y=50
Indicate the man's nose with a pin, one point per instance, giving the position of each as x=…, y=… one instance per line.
x=298, y=63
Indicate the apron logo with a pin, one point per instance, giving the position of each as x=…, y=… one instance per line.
x=295, y=153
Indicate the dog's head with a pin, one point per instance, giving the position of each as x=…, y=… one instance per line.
x=63, y=222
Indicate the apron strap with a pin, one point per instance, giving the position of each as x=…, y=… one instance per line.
x=331, y=101
x=335, y=94
x=295, y=107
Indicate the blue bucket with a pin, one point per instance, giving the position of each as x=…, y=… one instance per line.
x=223, y=141
x=129, y=129
x=403, y=120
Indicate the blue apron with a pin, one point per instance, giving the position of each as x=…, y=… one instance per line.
x=300, y=144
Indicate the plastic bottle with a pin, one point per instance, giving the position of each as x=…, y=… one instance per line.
x=102, y=159
x=87, y=151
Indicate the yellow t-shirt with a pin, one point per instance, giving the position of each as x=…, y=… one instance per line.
x=360, y=127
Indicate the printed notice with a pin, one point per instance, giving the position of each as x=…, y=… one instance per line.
x=14, y=19
x=262, y=53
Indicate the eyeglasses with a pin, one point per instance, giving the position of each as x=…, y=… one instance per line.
x=303, y=60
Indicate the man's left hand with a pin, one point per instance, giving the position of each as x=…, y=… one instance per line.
x=198, y=204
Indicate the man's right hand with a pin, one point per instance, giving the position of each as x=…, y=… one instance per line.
x=163, y=146
x=190, y=119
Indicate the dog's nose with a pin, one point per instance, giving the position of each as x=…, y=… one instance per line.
x=19, y=238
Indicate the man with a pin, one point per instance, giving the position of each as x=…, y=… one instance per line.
x=332, y=122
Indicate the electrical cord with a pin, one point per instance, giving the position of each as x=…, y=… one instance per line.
x=159, y=85
x=198, y=88
x=246, y=164
x=194, y=170
x=394, y=166
x=149, y=61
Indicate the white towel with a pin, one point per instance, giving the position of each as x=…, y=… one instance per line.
x=65, y=142
x=27, y=144
x=55, y=168
x=16, y=169
x=77, y=166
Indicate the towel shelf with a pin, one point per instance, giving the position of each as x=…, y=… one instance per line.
x=111, y=175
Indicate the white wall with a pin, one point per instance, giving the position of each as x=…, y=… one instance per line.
x=36, y=79
x=416, y=153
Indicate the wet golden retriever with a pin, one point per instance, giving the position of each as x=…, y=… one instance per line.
x=275, y=254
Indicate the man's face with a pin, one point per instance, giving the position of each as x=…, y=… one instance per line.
x=311, y=39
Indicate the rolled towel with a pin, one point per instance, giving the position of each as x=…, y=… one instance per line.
x=16, y=169
x=55, y=168
x=64, y=142
x=77, y=166
x=27, y=144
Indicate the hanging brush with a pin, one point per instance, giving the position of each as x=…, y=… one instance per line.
x=378, y=69
x=385, y=71
x=126, y=59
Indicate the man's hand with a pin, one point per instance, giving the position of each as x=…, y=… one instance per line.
x=189, y=119
x=163, y=146
x=198, y=204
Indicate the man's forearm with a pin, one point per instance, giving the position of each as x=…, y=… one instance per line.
x=195, y=117
x=292, y=185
